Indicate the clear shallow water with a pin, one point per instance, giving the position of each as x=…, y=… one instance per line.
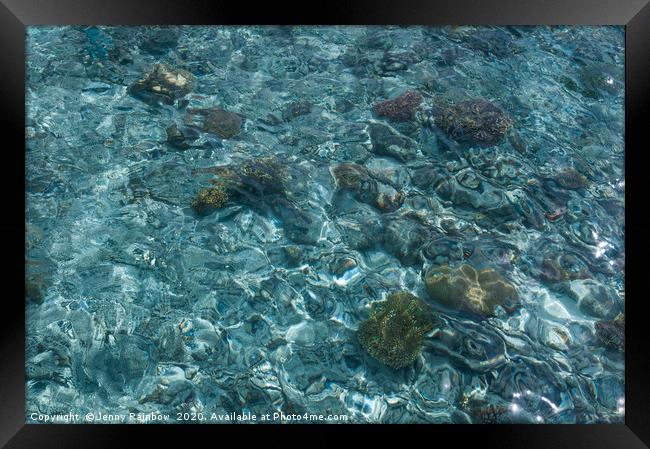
x=137, y=303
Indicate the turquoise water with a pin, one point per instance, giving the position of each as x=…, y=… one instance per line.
x=228, y=222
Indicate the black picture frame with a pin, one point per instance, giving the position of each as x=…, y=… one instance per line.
x=16, y=15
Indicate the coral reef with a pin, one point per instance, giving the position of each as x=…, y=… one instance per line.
x=401, y=108
x=210, y=198
x=212, y=211
x=465, y=288
x=476, y=122
x=265, y=174
x=254, y=177
x=394, y=332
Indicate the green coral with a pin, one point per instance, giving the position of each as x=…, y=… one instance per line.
x=394, y=332
x=465, y=288
x=210, y=198
x=267, y=171
x=248, y=179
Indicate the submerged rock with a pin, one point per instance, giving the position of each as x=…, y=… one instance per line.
x=170, y=344
x=387, y=142
x=295, y=110
x=611, y=334
x=492, y=252
x=492, y=43
x=163, y=84
x=465, y=288
x=406, y=236
x=300, y=225
x=38, y=276
x=468, y=178
x=35, y=288
x=181, y=137
x=600, y=80
x=217, y=121
x=594, y=298
x=564, y=267
x=394, y=332
x=397, y=61
x=490, y=202
x=375, y=40
x=552, y=261
x=361, y=227
x=293, y=254
x=473, y=346
x=37, y=281
x=365, y=188
x=265, y=174
x=257, y=305
x=357, y=60
x=158, y=41
x=339, y=265
x=476, y=122
x=399, y=109
x=171, y=387
x=571, y=179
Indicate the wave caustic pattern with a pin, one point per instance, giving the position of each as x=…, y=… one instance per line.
x=359, y=224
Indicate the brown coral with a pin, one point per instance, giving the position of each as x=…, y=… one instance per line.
x=399, y=109
x=209, y=199
x=477, y=121
x=465, y=288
